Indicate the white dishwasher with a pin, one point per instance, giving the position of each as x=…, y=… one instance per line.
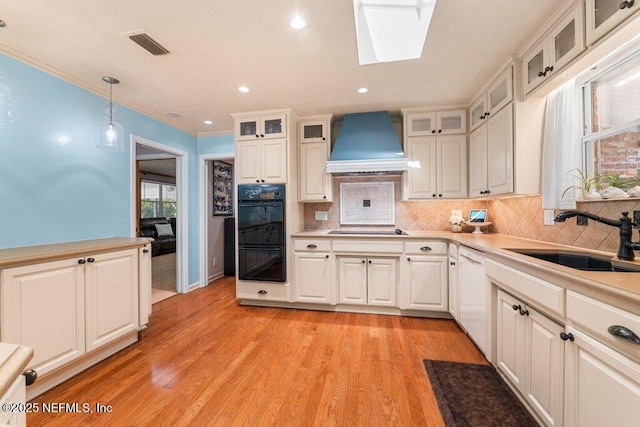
x=472, y=295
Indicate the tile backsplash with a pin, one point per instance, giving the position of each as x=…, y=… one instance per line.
x=518, y=216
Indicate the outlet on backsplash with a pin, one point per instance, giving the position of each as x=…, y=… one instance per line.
x=321, y=215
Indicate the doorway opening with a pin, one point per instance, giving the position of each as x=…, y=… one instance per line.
x=159, y=213
x=217, y=226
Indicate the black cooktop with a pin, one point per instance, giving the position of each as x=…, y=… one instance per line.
x=397, y=232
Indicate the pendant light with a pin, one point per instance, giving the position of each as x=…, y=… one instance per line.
x=5, y=105
x=110, y=133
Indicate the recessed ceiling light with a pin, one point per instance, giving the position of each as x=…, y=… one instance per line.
x=298, y=23
x=2, y=23
x=208, y=122
x=363, y=90
x=243, y=89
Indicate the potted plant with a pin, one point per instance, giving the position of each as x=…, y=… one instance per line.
x=588, y=185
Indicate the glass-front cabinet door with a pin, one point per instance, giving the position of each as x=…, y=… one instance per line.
x=274, y=126
x=451, y=122
x=500, y=92
x=314, y=131
x=567, y=39
x=604, y=15
x=534, y=68
x=421, y=124
x=248, y=128
x=478, y=110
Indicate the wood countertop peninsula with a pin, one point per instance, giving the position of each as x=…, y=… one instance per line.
x=23, y=255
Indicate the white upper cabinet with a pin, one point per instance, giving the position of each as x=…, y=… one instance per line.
x=314, y=130
x=498, y=94
x=314, y=183
x=555, y=50
x=436, y=123
x=604, y=15
x=261, y=127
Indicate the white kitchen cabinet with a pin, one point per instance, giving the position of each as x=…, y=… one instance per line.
x=530, y=353
x=314, y=183
x=111, y=297
x=261, y=161
x=74, y=311
x=498, y=94
x=604, y=15
x=564, y=43
x=313, y=277
x=453, y=280
x=491, y=155
x=367, y=281
x=261, y=127
x=423, y=123
x=428, y=282
x=442, y=170
x=602, y=385
x=43, y=308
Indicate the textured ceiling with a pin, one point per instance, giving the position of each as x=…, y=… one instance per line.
x=218, y=45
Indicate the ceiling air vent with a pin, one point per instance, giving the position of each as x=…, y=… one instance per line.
x=149, y=44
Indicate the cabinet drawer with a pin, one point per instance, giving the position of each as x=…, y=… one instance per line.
x=363, y=246
x=596, y=316
x=427, y=247
x=536, y=291
x=254, y=291
x=312, y=245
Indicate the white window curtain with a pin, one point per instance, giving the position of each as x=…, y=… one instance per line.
x=560, y=149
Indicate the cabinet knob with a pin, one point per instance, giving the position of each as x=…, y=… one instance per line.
x=257, y=136
x=145, y=251
x=439, y=195
x=324, y=139
x=262, y=292
x=324, y=197
x=257, y=180
x=262, y=180
x=487, y=113
x=433, y=131
x=311, y=246
x=30, y=376
x=261, y=135
x=516, y=307
x=482, y=117
x=565, y=337
x=81, y=261
x=626, y=4
x=408, y=259
x=326, y=256
x=91, y=260
x=369, y=261
x=363, y=261
x=433, y=195
x=541, y=74
x=425, y=249
x=452, y=263
x=439, y=130
x=524, y=312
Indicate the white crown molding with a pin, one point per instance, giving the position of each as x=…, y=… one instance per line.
x=215, y=133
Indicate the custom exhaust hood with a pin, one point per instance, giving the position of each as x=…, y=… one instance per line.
x=367, y=144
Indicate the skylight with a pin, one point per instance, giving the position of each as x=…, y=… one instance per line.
x=391, y=30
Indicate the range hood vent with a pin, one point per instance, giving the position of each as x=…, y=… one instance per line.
x=367, y=144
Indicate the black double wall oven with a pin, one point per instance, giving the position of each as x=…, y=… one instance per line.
x=261, y=232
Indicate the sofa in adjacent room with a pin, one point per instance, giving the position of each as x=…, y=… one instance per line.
x=162, y=230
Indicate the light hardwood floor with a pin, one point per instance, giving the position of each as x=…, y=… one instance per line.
x=205, y=360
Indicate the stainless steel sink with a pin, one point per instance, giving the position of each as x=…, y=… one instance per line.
x=577, y=260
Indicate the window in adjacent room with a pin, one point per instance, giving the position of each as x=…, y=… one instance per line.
x=157, y=200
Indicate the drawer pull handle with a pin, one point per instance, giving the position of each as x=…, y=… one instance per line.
x=425, y=249
x=145, y=251
x=516, y=307
x=565, y=337
x=262, y=292
x=30, y=376
x=624, y=334
x=311, y=246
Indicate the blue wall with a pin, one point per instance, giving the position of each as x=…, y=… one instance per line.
x=55, y=185
x=217, y=144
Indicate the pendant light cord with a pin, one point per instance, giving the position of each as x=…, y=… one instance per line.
x=110, y=102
